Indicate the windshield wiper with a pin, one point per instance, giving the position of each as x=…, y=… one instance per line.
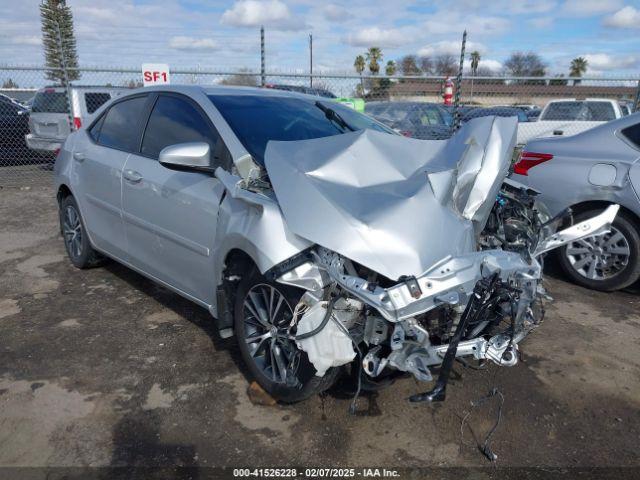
x=334, y=116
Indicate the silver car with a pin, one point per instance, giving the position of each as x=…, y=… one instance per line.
x=588, y=172
x=324, y=241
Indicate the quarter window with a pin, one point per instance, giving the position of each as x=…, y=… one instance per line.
x=632, y=134
x=120, y=127
x=172, y=121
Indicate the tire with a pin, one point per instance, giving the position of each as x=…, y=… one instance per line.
x=76, y=241
x=300, y=381
x=615, y=271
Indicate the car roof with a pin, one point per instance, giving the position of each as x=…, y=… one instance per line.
x=226, y=90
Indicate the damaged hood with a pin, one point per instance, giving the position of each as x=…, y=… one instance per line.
x=393, y=204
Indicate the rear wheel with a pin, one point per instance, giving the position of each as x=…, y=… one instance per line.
x=263, y=312
x=604, y=262
x=76, y=241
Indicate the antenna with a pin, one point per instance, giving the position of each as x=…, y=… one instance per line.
x=456, y=98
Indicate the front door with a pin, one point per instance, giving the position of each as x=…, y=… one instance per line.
x=170, y=216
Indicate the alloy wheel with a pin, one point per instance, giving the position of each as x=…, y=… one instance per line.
x=599, y=257
x=267, y=320
x=72, y=231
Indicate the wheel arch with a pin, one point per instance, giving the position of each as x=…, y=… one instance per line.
x=601, y=205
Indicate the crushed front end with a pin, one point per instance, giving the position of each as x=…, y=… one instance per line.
x=423, y=252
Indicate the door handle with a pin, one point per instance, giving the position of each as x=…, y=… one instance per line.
x=132, y=176
x=78, y=156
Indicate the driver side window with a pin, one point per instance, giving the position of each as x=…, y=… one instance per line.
x=174, y=120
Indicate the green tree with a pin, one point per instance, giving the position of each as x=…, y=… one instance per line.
x=360, y=64
x=59, y=41
x=409, y=66
x=578, y=67
x=390, y=69
x=9, y=83
x=374, y=57
x=475, y=61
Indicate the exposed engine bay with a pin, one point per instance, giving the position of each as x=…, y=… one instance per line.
x=426, y=255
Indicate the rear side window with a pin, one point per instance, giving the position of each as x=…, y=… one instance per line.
x=632, y=134
x=94, y=101
x=172, y=121
x=50, y=101
x=121, y=125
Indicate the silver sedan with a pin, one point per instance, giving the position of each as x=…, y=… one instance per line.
x=588, y=172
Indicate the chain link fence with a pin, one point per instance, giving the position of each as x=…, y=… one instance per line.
x=37, y=113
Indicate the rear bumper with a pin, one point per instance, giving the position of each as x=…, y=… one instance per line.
x=42, y=144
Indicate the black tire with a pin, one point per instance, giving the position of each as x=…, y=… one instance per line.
x=76, y=241
x=628, y=273
x=301, y=381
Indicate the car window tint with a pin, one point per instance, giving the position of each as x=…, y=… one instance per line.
x=601, y=111
x=7, y=109
x=94, y=101
x=632, y=134
x=94, y=131
x=172, y=121
x=120, y=127
x=50, y=101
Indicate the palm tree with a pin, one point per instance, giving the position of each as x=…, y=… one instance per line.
x=475, y=60
x=374, y=56
x=578, y=67
x=359, y=64
x=390, y=69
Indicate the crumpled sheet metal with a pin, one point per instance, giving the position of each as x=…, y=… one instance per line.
x=392, y=204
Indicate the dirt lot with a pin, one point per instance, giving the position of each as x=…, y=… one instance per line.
x=102, y=367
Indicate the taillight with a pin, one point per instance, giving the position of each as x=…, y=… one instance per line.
x=77, y=123
x=529, y=160
x=406, y=133
x=56, y=152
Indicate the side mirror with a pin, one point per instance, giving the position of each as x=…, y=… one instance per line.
x=187, y=156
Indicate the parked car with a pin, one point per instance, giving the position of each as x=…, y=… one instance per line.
x=570, y=116
x=318, y=92
x=588, y=172
x=49, y=120
x=323, y=240
x=425, y=121
x=495, y=112
x=14, y=124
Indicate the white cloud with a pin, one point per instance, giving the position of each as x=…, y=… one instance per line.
x=627, y=17
x=598, y=62
x=587, y=8
x=190, y=43
x=253, y=13
x=449, y=47
x=335, y=13
x=474, y=24
x=488, y=63
x=377, y=37
x=26, y=40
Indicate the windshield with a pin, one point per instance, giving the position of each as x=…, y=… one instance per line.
x=256, y=119
x=50, y=101
x=579, y=111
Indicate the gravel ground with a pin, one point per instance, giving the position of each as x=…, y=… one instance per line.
x=103, y=368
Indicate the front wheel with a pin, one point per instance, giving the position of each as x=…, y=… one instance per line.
x=263, y=313
x=604, y=262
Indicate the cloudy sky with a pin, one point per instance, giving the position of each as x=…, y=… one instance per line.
x=224, y=35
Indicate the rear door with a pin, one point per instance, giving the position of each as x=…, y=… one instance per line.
x=99, y=155
x=49, y=114
x=170, y=216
